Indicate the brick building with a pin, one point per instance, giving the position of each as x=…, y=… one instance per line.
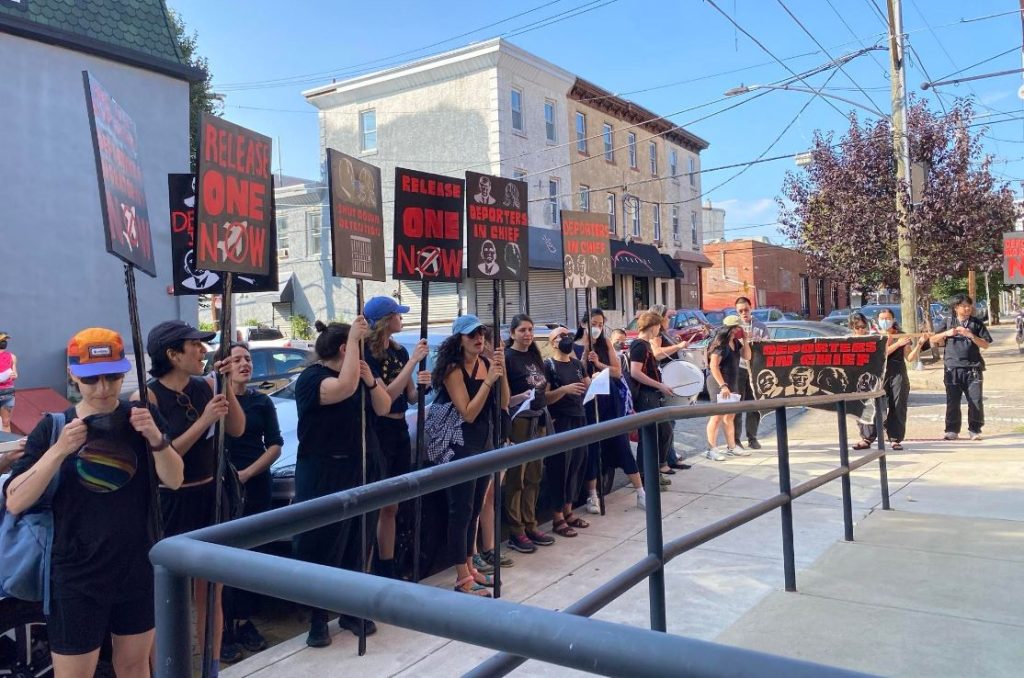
x=770, y=275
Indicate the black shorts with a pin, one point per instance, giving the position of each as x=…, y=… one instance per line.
x=187, y=508
x=77, y=625
x=395, y=447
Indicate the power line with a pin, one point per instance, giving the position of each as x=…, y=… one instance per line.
x=885, y=71
x=984, y=61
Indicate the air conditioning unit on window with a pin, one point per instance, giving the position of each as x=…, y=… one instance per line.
x=282, y=253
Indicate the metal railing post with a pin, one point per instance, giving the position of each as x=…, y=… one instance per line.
x=174, y=624
x=844, y=461
x=655, y=541
x=786, y=510
x=883, y=471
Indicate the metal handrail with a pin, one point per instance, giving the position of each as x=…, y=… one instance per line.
x=216, y=553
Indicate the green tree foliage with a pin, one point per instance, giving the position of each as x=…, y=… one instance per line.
x=202, y=98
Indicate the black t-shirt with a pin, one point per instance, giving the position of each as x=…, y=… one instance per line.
x=388, y=368
x=894, y=363
x=101, y=509
x=525, y=370
x=729, y=365
x=200, y=459
x=640, y=351
x=560, y=374
x=261, y=430
x=331, y=430
x=962, y=351
x=666, y=341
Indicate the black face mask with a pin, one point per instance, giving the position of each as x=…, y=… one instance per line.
x=565, y=344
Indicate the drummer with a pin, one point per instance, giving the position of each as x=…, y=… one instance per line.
x=665, y=349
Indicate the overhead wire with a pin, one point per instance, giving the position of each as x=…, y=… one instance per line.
x=885, y=70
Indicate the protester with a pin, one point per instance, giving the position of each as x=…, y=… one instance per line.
x=392, y=364
x=104, y=517
x=650, y=391
x=899, y=350
x=524, y=368
x=964, y=337
x=8, y=375
x=465, y=382
x=567, y=384
x=727, y=347
x=755, y=330
x=613, y=451
x=188, y=402
x=251, y=454
x=665, y=350
x=335, y=399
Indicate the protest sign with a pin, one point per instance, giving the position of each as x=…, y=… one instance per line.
x=1013, y=258
x=357, y=230
x=428, y=227
x=587, y=252
x=497, y=227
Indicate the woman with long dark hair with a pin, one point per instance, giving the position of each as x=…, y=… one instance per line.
x=724, y=352
x=465, y=382
x=336, y=398
x=650, y=392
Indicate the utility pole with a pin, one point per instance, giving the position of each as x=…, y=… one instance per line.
x=901, y=147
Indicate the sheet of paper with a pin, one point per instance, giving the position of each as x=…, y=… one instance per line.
x=601, y=384
x=731, y=398
x=525, y=405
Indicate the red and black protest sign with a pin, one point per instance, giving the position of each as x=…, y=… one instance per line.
x=428, y=227
x=122, y=193
x=357, y=221
x=497, y=227
x=818, y=366
x=234, y=215
x=189, y=279
x=1013, y=258
x=587, y=253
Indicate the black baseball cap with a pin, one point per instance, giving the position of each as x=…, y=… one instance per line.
x=171, y=332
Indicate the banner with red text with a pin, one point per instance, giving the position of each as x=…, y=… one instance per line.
x=587, y=253
x=234, y=215
x=428, y=227
x=126, y=224
x=497, y=227
x=357, y=222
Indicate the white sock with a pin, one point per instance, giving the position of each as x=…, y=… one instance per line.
x=641, y=492
x=593, y=492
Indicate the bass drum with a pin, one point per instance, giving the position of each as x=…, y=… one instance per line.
x=685, y=379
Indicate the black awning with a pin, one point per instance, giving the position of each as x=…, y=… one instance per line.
x=546, y=248
x=674, y=267
x=638, y=259
x=286, y=289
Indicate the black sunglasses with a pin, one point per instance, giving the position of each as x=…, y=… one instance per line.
x=109, y=378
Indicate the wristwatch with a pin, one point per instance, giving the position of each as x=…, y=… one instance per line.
x=373, y=386
x=165, y=442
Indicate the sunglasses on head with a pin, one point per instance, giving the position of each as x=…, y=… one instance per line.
x=109, y=378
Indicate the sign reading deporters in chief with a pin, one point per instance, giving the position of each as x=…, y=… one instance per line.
x=189, y=279
x=234, y=215
x=1013, y=258
x=587, y=253
x=497, y=227
x=357, y=222
x=428, y=227
x=122, y=192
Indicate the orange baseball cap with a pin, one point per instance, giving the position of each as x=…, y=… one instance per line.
x=96, y=351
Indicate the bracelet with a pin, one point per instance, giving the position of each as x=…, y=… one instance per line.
x=165, y=442
x=488, y=385
x=373, y=386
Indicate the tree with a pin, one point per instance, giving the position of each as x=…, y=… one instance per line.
x=202, y=98
x=841, y=210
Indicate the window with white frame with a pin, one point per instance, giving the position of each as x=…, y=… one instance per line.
x=653, y=148
x=584, y=198
x=657, y=222
x=611, y=214
x=283, y=249
x=517, y=110
x=519, y=174
x=693, y=172
x=552, y=201
x=581, y=132
x=631, y=147
x=313, y=234
x=675, y=224
x=693, y=230
x=631, y=206
x=549, y=120
x=368, y=131
x=609, y=150
x=673, y=163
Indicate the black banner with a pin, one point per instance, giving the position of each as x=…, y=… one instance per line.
x=818, y=366
x=357, y=222
x=189, y=279
x=497, y=232
x=587, y=252
x=428, y=227
x=126, y=223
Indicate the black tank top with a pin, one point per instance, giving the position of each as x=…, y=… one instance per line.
x=477, y=435
x=200, y=460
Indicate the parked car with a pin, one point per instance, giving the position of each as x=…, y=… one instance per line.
x=981, y=311
x=767, y=315
x=838, y=316
x=260, y=336
x=272, y=366
x=804, y=329
x=715, y=318
x=793, y=315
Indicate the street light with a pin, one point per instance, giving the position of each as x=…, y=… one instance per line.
x=745, y=89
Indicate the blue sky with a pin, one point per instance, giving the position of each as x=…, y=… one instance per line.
x=665, y=56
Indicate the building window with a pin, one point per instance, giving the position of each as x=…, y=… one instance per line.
x=631, y=145
x=283, y=249
x=641, y=293
x=519, y=174
x=653, y=147
x=549, y=120
x=820, y=289
x=313, y=239
x=805, y=293
x=609, y=151
x=693, y=231
x=581, y=132
x=611, y=214
x=517, y=110
x=606, y=298
x=657, y=222
x=368, y=131
x=675, y=224
x=634, y=213
x=673, y=162
x=552, y=201
x=693, y=172
x=584, y=198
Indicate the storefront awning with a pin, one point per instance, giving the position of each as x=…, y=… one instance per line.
x=638, y=259
x=545, y=248
x=693, y=258
x=674, y=267
x=286, y=289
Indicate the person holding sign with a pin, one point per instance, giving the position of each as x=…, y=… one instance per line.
x=727, y=347
x=329, y=399
x=392, y=364
x=650, y=392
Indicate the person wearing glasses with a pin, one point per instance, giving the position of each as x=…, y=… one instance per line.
x=191, y=405
x=101, y=580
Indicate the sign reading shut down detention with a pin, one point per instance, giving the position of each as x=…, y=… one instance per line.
x=234, y=212
x=587, y=252
x=428, y=227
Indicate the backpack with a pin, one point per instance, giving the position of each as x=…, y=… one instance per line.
x=26, y=540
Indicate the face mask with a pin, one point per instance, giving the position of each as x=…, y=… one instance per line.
x=595, y=332
x=739, y=333
x=565, y=344
x=884, y=324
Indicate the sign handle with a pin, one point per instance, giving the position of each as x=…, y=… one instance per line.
x=420, y=432
x=363, y=551
x=496, y=442
x=591, y=305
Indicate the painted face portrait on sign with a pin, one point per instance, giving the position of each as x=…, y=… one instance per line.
x=366, y=188
x=833, y=380
x=513, y=257
x=483, y=195
x=511, y=197
x=767, y=383
x=488, y=258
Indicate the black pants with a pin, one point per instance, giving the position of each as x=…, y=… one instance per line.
x=959, y=382
x=565, y=470
x=753, y=418
x=897, y=393
x=464, y=502
x=239, y=604
x=649, y=399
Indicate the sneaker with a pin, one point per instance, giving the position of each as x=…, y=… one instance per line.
x=975, y=436
x=230, y=652
x=481, y=565
x=738, y=451
x=540, y=538
x=318, y=636
x=714, y=455
x=250, y=638
x=753, y=443
x=739, y=443
x=489, y=558
x=950, y=436
x=663, y=481
x=593, y=505
x=641, y=501
x=521, y=543
x=347, y=622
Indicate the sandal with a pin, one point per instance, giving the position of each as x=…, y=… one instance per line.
x=864, y=444
x=573, y=521
x=562, y=529
x=474, y=590
x=897, y=446
x=483, y=579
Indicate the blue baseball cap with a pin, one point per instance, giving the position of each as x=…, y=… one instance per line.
x=466, y=324
x=379, y=308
